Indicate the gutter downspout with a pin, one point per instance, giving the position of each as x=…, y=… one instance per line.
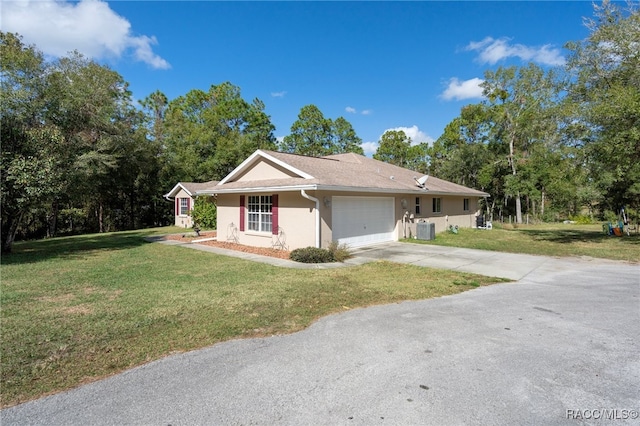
x=310, y=198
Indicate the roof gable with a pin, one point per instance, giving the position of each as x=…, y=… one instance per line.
x=190, y=188
x=264, y=170
x=261, y=165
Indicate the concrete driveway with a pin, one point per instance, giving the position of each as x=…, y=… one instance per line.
x=559, y=346
x=490, y=263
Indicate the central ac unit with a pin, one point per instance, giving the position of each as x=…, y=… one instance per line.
x=426, y=231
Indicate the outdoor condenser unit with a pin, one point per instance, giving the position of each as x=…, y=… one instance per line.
x=426, y=230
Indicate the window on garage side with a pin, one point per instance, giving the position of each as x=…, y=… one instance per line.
x=417, y=205
x=465, y=204
x=184, y=206
x=259, y=210
x=437, y=205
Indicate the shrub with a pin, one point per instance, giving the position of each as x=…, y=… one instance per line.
x=204, y=212
x=610, y=216
x=339, y=252
x=552, y=215
x=334, y=253
x=632, y=215
x=581, y=219
x=72, y=221
x=311, y=255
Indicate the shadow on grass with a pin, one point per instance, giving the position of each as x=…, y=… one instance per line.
x=570, y=236
x=72, y=247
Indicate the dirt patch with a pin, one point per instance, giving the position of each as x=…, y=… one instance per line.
x=189, y=237
x=65, y=298
x=114, y=295
x=78, y=310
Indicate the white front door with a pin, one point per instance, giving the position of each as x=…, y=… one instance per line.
x=359, y=221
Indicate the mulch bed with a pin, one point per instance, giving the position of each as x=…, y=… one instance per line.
x=189, y=236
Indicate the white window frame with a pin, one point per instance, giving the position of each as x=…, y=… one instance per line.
x=437, y=205
x=260, y=213
x=418, y=205
x=465, y=204
x=184, y=207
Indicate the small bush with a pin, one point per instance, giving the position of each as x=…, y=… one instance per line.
x=205, y=212
x=581, y=219
x=339, y=252
x=610, y=216
x=632, y=215
x=552, y=216
x=311, y=255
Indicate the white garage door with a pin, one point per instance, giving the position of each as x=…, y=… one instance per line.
x=359, y=221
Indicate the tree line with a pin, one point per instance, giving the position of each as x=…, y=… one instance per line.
x=549, y=143
x=79, y=156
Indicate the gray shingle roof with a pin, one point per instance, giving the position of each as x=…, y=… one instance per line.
x=190, y=187
x=193, y=187
x=343, y=172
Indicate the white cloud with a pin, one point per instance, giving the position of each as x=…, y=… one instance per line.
x=417, y=136
x=459, y=90
x=493, y=50
x=352, y=110
x=144, y=53
x=278, y=94
x=369, y=148
x=90, y=27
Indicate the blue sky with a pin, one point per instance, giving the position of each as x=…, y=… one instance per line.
x=381, y=65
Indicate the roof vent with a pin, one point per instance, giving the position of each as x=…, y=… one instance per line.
x=391, y=177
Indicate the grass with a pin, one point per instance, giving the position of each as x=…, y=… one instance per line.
x=547, y=239
x=81, y=308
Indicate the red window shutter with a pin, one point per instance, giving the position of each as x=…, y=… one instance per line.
x=177, y=206
x=274, y=214
x=242, y=208
x=188, y=205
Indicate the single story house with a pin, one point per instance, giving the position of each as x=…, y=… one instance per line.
x=183, y=196
x=294, y=201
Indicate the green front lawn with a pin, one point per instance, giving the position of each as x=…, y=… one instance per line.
x=81, y=308
x=546, y=239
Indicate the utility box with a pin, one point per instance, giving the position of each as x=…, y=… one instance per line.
x=426, y=231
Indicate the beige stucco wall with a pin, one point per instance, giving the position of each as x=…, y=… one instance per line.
x=183, y=221
x=296, y=217
x=452, y=213
x=264, y=170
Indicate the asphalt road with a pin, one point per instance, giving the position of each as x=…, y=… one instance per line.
x=559, y=346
